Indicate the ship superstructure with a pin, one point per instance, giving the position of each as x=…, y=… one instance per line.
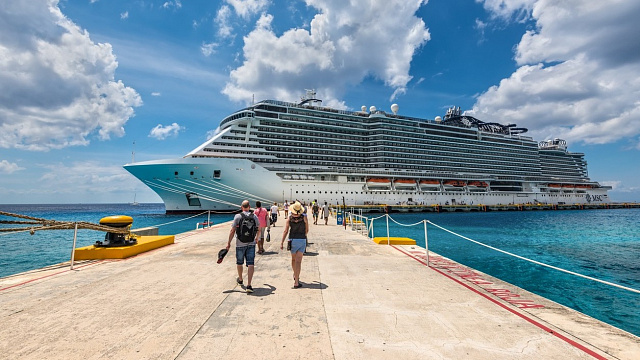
x=274, y=151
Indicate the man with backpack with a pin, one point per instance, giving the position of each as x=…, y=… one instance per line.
x=315, y=208
x=245, y=230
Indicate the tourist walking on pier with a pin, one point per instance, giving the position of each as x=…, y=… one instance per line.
x=286, y=208
x=262, y=214
x=275, y=212
x=325, y=213
x=315, y=209
x=245, y=230
x=296, y=227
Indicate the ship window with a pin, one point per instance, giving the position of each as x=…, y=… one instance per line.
x=193, y=199
x=216, y=174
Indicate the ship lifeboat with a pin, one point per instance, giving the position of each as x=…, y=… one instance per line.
x=454, y=185
x=568, y=187
x=378, y=183
x=554, y=187
x=404, y=184
x=583, y=186
x=429, y=185
x=477, y=185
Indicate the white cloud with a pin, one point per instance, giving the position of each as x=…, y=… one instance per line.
x=579, y=74
x=245, y=8
x=57, y=86
x=161, y=132
x=155, y=93
x=177, y=4
x=83, y=177
x=9, y=168
x=222, y=20
x=208, y=49
x=124, y=15
x=346, y=42
x=520, y=10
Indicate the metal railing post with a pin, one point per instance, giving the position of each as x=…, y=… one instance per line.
x=426, y=242
x=73, y=249
x=388, y=238
x=209, y=219
x=372, y=234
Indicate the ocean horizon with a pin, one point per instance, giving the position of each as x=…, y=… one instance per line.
x=603, y=244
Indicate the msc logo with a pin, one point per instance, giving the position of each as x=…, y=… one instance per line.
x=591, y=198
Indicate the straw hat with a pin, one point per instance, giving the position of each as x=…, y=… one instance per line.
x=296, y=208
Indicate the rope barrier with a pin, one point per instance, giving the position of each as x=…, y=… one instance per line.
x=537, y=262
x=518, y=256
x=175, y=221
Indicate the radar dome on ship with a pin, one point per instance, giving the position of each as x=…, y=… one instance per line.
x=438, y=118
x=364, y=109
x=394, y=108
x=372, y=109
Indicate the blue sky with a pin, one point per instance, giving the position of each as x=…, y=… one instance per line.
x=81, y=81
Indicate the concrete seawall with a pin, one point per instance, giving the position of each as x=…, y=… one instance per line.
x=359, y=300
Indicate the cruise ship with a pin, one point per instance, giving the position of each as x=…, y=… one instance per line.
x=274, y=151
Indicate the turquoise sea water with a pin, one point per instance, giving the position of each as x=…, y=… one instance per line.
x=22, y=252
x=604, y=244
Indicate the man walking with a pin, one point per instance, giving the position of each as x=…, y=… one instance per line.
x=275, y=212
x=245, y=229
x=263, y=216
x=325, y=213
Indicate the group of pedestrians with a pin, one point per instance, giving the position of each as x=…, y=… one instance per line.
x=248, y=229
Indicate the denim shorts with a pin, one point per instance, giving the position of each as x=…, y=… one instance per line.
x=245, y=252
x=298, y=245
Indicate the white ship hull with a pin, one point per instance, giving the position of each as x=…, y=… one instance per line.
x=190, y=185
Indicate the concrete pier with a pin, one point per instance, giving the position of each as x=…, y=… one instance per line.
x=359, y=300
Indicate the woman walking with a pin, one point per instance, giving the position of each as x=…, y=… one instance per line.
x=297, y=228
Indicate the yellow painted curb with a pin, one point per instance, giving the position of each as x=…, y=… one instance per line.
x=394, y=241
x=145, y=243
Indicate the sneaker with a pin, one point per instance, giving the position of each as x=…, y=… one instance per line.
x=249, y=289
x=239, y=281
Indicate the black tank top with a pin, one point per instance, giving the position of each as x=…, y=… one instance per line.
x=297, y=228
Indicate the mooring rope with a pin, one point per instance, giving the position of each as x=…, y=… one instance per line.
x=46, y=224
x=537, y=262
x=516, y=256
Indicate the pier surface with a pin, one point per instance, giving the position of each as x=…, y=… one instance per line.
x=359, y=300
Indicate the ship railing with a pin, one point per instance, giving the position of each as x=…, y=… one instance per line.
x=359, y=219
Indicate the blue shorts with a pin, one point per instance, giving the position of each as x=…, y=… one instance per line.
x=298, y=245
x=245, y=252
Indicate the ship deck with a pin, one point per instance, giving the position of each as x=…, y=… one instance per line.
x=359, y=300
